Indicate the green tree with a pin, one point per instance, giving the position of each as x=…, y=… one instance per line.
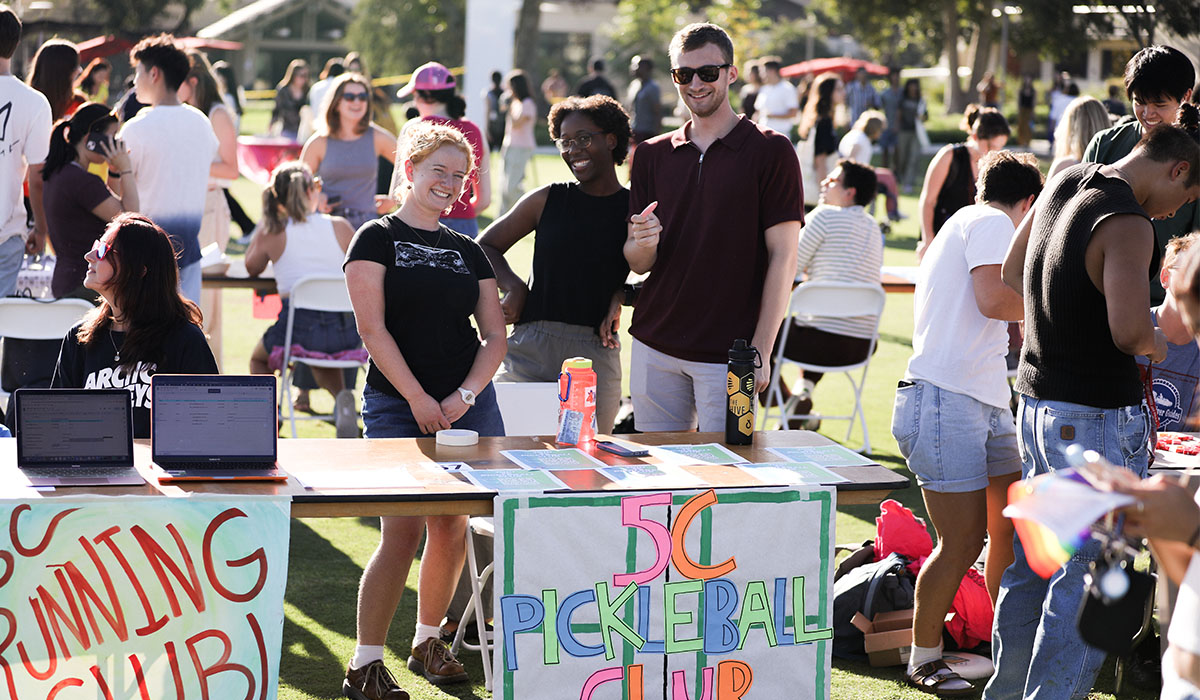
x=396, y=36
x=646, y=26
x=132, y=17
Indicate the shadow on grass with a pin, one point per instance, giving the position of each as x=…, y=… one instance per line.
x=322, y=581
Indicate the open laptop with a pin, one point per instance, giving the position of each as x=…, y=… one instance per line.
x=214, y=427
x=75, y=437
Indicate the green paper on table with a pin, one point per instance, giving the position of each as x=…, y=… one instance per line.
x=824, y=455
x=651, y=476
x=792, y=473
x=514, y=479
x=570, y=458
x=709, y=453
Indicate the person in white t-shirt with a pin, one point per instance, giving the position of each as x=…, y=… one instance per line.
x=955, y=385
x=172, y=146
x=859, y=145
x=24, y=143
x=777, y=104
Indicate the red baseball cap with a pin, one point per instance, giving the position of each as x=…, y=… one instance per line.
x=431, y=76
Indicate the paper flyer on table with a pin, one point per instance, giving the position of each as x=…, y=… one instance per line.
x=452, y=466
x=709, y=453
x=824, y=455
x=396, y=477
x=792, y=473
x=570, y=458
x=651, y=476
x=514, y=479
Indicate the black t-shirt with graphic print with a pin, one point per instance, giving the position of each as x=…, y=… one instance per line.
x=184, y=351
x=430, y=289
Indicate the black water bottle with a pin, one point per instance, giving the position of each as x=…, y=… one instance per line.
x=739, y=410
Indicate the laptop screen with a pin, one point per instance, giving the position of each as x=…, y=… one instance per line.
x=208, y=417
x=58, y=427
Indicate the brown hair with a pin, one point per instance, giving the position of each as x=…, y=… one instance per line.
x=1178, y=246
x=290, y=73
x=165, y=54
x=288, y=196
x=207, y=91
x=146, y=287
x=332, y=123
x=697, y=35
x=53, y=74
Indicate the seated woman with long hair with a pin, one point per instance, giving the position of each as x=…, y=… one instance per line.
x=302, y=242
x=143, y=325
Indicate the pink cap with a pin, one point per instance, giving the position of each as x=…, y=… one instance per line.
x=431, y=76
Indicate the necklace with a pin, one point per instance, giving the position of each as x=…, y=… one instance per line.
x=421, y=235
x=116, y=350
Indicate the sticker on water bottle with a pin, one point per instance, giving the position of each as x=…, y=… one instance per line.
x=570, y=426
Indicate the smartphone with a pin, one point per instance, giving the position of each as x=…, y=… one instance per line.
x=621, y=450
x=334, y=200
x=94, y=140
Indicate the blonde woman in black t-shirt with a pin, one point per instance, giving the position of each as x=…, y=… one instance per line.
x=416, y=286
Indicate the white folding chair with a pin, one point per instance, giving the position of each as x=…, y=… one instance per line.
x=528, y=408
x=477, y=527
x=30, y=319
x=315, y=293
x=839, y=299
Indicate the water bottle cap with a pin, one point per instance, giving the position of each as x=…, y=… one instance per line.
x=576, y=363
x=742, y=351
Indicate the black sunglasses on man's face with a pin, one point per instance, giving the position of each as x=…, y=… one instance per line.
x=709, y=73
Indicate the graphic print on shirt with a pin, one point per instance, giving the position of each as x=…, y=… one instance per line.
x=137, y=381
x=6, y=111
x=1173, y=397
x=415, y=255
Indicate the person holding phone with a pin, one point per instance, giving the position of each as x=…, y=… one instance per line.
x=78, y=203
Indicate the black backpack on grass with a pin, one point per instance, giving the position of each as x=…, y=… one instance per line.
x=873, y=588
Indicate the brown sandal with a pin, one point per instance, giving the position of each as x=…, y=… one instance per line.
x=938, y=678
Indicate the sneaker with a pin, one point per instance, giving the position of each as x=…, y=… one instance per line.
x=372, y=682
x=345, y=415
x=432, y=659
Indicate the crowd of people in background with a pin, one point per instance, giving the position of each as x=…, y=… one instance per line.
x=783, y=182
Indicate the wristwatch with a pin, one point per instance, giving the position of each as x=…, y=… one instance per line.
x=467, y=395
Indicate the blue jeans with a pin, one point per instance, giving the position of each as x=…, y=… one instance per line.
x=467, y=227
x=385, y=416
x=1035, y=645
x=12, y=252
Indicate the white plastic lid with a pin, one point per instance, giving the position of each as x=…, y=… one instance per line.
x=457, y=437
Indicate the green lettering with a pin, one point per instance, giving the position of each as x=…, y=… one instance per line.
x=609, y=622
x=549, y=628
x=673, y=617
x=803, y=636
x=756, y=611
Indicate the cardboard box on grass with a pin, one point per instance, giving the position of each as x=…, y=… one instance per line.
x=887, y=637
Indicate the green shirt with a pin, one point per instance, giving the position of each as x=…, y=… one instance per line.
x=1115, y=143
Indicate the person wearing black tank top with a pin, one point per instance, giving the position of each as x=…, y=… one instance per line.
x=1081, y=258
x=579, y=269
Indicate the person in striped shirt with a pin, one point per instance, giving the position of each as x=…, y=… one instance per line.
x=840, y=242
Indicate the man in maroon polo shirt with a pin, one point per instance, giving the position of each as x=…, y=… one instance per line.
x=716, y=208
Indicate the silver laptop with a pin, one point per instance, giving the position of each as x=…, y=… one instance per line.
x=75, y=437
x=214, y=427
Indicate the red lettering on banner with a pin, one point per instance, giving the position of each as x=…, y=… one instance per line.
x=220, y=666
x=55, y=613
x=262, y=652
x=258, y=555
x=115, y=616
x=51, y=653
x=41, y=546
x=100, y=682
x=173, y=662
x=152, y=624
x=7, y=558
x=64, y=683
x=139, y=676
x=12, y=634
x=159, y=558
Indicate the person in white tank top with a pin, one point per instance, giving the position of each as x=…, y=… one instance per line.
x=301, y=242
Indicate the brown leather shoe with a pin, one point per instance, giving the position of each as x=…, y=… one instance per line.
x=372, y=682
x=432, y=659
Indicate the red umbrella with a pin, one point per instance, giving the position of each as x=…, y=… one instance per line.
x=101, y=46
x=842, y=65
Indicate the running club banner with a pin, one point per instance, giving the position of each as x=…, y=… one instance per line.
x=142, y=597
x=684, y=595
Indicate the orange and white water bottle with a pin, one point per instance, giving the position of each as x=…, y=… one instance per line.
x=576, y=402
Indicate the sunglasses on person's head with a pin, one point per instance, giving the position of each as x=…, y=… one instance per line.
x=583, y=139
x=709, y=73
x=354, y=96
x=100, y=248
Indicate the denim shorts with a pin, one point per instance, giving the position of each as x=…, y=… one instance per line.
x=386, y=416
x=467, y=227
x=318, y=331
x=953, y=442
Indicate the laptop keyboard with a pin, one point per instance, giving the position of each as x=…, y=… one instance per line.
x=200, y=466
x=82, y=472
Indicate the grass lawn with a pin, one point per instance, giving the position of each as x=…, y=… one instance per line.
x=328, y=555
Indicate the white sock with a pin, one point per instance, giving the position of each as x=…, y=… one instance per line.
x=425, y=632
x=807, y=385
x=923, y=655
x=365, y=654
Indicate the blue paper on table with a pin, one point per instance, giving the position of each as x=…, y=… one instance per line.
x=569, y=458
x=708, y=453
x=824, y=455
x=792, y=473
x=651, y=476
x=514, y=480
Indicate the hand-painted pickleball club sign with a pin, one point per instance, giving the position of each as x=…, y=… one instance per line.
x=142, y=597
x=684, y=595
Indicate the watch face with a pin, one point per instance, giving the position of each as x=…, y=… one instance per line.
x=468, y=396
